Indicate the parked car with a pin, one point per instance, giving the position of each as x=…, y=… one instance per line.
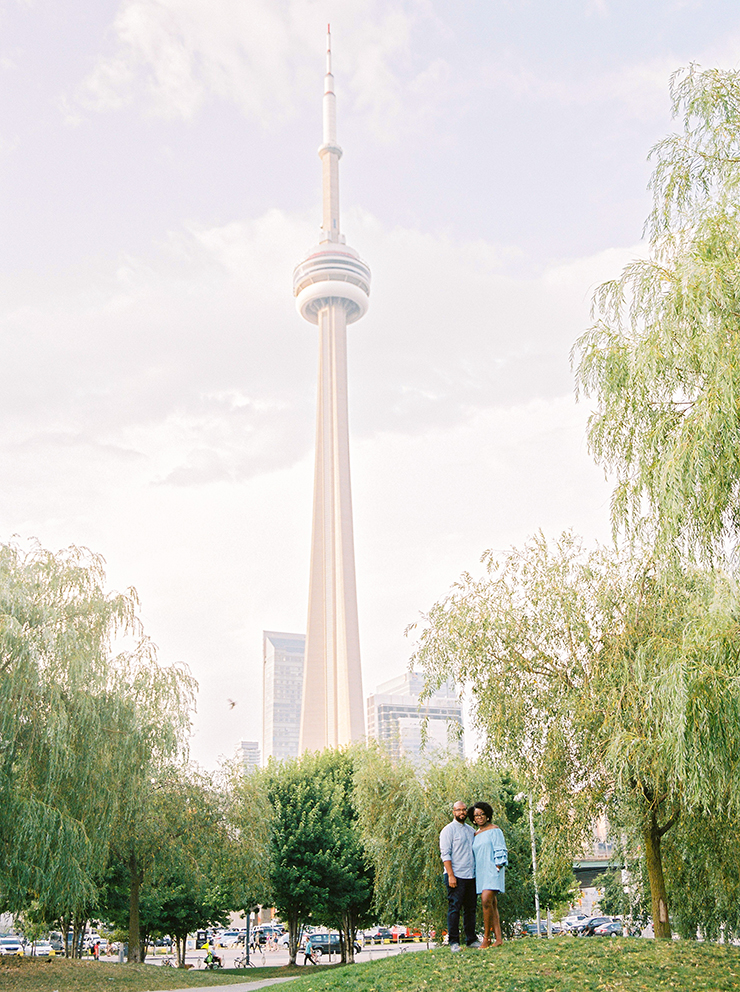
x=328, y=943
x=11, y=945
x=379, y=934
x=530, y=929
x=613, y=929
x=587, y=929
x=41, y=949
x=57, y=941
x=230, y=938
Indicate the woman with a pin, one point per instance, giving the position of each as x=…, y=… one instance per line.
x=308, y=952
x=491, y=858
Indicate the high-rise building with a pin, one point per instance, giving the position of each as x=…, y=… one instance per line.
x=282, y=688
x=248, y=753
x=395, y=717
x=332, y=286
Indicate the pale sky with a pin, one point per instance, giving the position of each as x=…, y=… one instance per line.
x=159, y=183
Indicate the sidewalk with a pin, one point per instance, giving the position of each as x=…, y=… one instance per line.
x=241, y=986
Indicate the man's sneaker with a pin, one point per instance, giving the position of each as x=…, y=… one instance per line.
x=454, y=947
x=476, y=943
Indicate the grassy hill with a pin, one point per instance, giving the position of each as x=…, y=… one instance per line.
x=559, y=965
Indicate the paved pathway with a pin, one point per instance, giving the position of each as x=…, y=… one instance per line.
x=241, y=986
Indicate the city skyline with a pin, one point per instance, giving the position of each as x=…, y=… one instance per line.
x=159, y=182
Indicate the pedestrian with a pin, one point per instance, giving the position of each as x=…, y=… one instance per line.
x=456, y=851
x=308, y=952
x=491, y=858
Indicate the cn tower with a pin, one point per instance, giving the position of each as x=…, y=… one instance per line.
x=331, y=287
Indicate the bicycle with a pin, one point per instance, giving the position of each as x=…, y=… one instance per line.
x=244, y=962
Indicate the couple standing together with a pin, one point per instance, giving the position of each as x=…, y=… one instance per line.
x=475, y=864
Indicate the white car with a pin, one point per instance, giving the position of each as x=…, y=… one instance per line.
x=41, y=949
x=230, y=938
x=11, y=945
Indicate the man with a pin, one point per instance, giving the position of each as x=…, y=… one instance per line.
x=456, y=851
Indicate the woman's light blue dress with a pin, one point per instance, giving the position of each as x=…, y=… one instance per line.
x=489, y=850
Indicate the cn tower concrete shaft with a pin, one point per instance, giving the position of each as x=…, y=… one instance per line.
x=332, y=287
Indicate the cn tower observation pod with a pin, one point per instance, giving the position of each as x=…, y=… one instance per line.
x=332, y=273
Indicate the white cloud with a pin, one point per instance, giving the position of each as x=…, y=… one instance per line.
x=196, y=359
x=262, y=55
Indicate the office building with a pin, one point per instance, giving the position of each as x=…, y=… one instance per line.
x=395, y=718
x=248, y=753
x=282, y=687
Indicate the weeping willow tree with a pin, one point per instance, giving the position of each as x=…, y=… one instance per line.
x=611, y=686
x=402, y=809
x=662, y=356
x=80, y=725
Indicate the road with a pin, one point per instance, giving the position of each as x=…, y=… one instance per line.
x=278, y=958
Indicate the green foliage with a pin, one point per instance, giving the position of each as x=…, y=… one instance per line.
x=314, y=866
x=181, y=852
x=702, y=860
x=661, y=358
x=610, y=687
x=80, y=726
x=613, y=899
x=402, y=812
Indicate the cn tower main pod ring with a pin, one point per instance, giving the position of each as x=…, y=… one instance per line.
x=315, y=296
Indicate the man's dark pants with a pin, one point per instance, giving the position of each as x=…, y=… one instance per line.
x=461, y=897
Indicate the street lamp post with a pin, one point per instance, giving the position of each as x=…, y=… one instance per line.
x=519, y=798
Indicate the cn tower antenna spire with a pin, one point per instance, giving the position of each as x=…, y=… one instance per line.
x=330, y=153
x=332, y=287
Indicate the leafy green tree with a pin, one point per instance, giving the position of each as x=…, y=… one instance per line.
x=313, y=867
x=173, y=828
x=74, y=717
x=661, y=358
x=180, y=853
x=351, y=897
x=609, y=687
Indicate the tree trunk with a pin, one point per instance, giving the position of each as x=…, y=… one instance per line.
x=180, y=945
x=293, y=935
x=65, y=923
x=652, y=836
x=349, y=930
x=134, y=935
x=78, y=935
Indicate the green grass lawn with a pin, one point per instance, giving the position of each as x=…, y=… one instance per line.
x=60, y=975
x=559, y=965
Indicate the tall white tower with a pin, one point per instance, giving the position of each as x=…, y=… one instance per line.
x=331, y=287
